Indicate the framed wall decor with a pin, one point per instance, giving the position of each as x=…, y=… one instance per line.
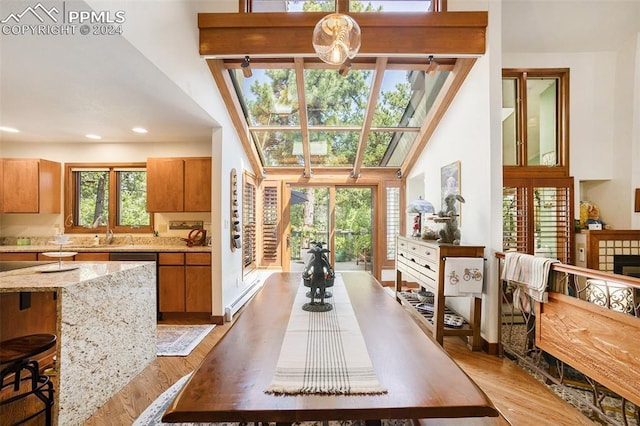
x=450, y=184
x=637, y=203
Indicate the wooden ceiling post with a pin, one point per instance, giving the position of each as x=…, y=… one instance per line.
x=302, y=113
x=368, y=115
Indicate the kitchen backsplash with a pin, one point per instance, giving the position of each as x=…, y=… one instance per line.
x=87, y=240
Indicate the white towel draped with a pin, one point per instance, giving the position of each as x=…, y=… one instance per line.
x=529, y=272
x=463, y=276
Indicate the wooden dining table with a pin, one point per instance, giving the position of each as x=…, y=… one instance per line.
x=422, y=381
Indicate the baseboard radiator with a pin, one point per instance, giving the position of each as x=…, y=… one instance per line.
x=246, y=295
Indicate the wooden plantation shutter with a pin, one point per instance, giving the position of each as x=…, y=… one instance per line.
x=554, y=225
x=537, y=217
x=393, y=221
x=515, y=219
x=270, y=225
x=248, y=224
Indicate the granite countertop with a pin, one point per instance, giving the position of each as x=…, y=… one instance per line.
x=84, y=243
x=42, y=277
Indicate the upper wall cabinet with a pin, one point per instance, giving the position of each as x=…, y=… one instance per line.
x=30, y=186
x=179, y=184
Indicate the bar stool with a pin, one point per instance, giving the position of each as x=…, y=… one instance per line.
x=16, y=358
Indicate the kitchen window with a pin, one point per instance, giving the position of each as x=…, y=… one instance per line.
x=103, y=197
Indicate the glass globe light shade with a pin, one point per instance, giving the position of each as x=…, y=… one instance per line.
x=336, y=38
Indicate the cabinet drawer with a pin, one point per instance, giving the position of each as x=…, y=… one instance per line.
x=171, y=259
x=427, y=253
x=421, y=264
x=198, y=259
x=422, y=274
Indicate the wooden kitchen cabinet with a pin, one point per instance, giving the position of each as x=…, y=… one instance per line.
x=179, y=184
x=198, y=282
x=30, y=186
x=29, y=256
x=184, y=282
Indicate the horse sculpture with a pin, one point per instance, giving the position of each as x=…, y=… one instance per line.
x=318, y=275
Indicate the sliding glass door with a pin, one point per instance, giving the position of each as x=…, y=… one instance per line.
x=353, y=229
x=340, y=217
x=309, y=215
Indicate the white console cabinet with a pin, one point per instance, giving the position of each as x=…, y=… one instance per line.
x=423, y=262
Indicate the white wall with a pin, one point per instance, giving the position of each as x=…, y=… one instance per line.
x=470, y=132
x=166, y=33
x=635, y=144
x=174, y=50
x=602, y=92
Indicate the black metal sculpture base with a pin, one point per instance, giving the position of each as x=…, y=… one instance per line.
x=317, y=307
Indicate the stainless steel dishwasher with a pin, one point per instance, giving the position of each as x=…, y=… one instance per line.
x=139, y=256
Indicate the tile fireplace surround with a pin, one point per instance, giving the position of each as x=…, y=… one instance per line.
x=603, y=246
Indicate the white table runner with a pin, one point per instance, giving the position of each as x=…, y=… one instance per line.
x=324, y=352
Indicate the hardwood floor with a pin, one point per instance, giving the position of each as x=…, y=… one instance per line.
x=520, y=398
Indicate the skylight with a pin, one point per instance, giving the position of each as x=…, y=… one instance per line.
x=336, y=112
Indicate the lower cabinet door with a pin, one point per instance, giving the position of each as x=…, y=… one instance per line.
x=171, y=289
x=198, y=289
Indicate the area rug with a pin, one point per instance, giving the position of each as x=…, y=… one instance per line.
x=324, y=352
x=152, y=415
x=180, y=340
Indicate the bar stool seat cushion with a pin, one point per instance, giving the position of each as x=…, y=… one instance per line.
x=25, y=347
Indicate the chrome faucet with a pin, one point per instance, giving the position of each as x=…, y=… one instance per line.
x=108, y=238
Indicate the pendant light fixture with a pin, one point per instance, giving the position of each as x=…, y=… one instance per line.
x=336, y=38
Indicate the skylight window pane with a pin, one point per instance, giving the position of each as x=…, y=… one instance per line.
x=258, y=6
x=308, y=5
x=406, y=97
x=331, y=149
x=279, y=148
x=382, y=145
x=333, y=100
x=269, y=97
x=392, y=5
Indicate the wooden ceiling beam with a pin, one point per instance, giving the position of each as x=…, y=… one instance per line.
x=383, y=34
x=369, y=63
x=331, y=175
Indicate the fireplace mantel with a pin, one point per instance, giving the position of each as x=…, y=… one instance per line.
x=603, y=245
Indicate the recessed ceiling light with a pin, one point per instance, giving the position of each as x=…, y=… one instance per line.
x=139, y=130
x=90, y=136
x=9, y=129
